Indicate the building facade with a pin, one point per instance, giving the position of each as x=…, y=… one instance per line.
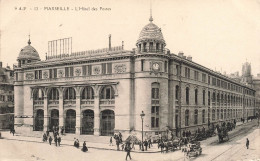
x=104, y=91
x=6, y=97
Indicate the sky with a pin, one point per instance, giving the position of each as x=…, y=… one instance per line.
x=218, y=34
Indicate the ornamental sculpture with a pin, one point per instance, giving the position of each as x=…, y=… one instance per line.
x=77, y=71
x=120, y=68
x=29, y=76
x=60, y=73
x=96, y=70
x=45, y=75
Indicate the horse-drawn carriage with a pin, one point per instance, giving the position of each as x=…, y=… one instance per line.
x=193, y=149
x=222, y=133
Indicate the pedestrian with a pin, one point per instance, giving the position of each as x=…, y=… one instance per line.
x=50, y=140
x=59, y=140
x=123, y=146
x=13, y=132
x=133, y=145
x=128, y=150
x=56, y=141
x=247, y=143
x=145, y=144
x=140, y=145
x=117, y=144
x=84, y=149
x=111, y=141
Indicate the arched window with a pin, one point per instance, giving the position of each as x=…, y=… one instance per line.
x=107, y=93
x=38, y=94
x=53, y=94
x=203, y=97
x=203, y=116
x=187, y=118
x=87, y=93
x=217, y=114
x=214, y=97
x=218, y=98
x=177, y=92
x=196, y=96
x=187, y=95
x=196, y=117
x=209, y=98
x=70, y=94
x=222, y=99
x=213, y=115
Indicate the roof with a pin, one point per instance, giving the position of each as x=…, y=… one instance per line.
x=151, y=32
x=29, y=52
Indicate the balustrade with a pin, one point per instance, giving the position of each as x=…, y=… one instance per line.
x=87, y=101
x=107, y=101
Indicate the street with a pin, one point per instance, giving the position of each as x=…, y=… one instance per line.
x=234, y=149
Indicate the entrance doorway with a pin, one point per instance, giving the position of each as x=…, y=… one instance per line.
x=70, y=121
x=54, y=121
x=88, y=122
x=107, y=122
x=39, y=120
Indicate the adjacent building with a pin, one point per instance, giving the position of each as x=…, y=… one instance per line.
x=104, y=91
x=6, y=97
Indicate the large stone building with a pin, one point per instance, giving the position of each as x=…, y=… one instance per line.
x=101, y=92
x=6, y=97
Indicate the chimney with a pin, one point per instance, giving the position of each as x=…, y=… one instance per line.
x=122, y=45
x=189, y=58
x=109, y=42
x=180, y=54
x=1, y=64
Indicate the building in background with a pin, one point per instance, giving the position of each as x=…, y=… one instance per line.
x=6, y=97
x=104, y=91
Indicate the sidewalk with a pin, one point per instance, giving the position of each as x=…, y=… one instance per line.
x=6, y=135
x=65, y=142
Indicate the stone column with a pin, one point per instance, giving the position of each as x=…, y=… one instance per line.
x=46, y=113
x=96, y=116
x=78, y=115
x=61, y=116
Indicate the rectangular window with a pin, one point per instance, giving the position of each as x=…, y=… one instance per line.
x=89, y=69
x=196, y=75
x=50, y=73
x=40, y=74
x=203, y=77
x=104, y=68
x=71, y=72
x=55, y=73
x=66, y=71
x=84, y=70
x=177, y=70
x=165, y=66
x=36, y=74
x=214, y=81
x=155, y=117
x=109, y=68
x=16, y=75
x=187, y=72
x=208, y=79
x=142, y=65
x=155, y=93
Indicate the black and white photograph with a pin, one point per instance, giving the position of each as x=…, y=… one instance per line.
x=141, y=80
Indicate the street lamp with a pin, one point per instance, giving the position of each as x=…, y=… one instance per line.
x=142, y=117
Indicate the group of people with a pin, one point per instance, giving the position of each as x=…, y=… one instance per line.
x=46, y=137
x=12, y=131
x=84, y=146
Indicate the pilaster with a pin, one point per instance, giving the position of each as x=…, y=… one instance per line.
x=78, y=115
x=96, y=116
x=46, y=114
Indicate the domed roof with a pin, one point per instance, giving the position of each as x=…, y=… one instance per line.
x=29, y=52
x=151, y=32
